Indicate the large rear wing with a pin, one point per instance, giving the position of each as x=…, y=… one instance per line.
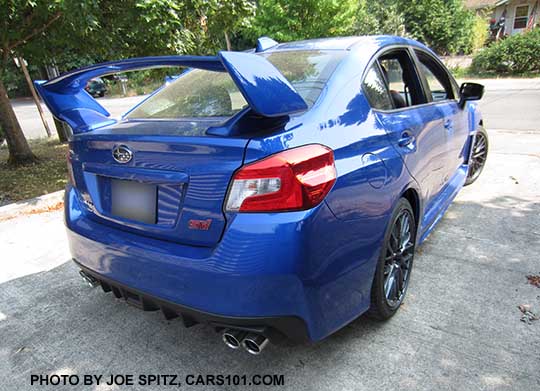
x=265, y=89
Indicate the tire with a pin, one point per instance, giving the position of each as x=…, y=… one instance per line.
x=101, y=94
x=478, y=156
x=385, y=302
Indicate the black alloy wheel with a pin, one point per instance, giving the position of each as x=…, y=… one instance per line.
x=478, y=156
x=395, y=264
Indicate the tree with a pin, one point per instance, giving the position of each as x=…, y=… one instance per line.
x=44, y=31
x=444, y=25
x=288, y=20
x=227, y=17
x=25, y=23
x=387, y=18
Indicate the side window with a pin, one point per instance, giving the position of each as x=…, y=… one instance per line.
x=375, y=89
x=438, y=80
x=401, y=78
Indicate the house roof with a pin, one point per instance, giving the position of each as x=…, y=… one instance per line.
x=480, y=4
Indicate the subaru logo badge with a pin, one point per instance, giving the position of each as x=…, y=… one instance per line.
x=122, y=154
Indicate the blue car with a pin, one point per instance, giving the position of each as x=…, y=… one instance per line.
x=276, y=194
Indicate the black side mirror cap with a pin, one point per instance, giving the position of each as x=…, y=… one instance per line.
x=470, y=92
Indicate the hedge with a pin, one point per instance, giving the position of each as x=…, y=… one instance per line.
x=517, y=54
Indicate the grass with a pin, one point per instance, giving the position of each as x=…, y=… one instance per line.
x=46, y=176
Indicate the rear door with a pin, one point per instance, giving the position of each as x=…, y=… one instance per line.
x=441, y=92
x=413, y=125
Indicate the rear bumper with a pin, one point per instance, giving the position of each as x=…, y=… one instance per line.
x=281, y=271
x=274, y=328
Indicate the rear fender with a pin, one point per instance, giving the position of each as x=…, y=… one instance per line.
x=475, y=121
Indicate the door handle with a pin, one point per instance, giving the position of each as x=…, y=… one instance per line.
x=448, y=124
x=406, y=139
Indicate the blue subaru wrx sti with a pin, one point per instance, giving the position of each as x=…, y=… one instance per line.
x=274, y=194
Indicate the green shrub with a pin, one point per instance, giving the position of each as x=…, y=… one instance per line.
x=480, y=32
x=444, y=25
x=516, y=55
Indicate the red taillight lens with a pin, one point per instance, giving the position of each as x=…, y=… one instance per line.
x=295, y=179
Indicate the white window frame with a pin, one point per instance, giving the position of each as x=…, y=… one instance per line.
x=521, y=17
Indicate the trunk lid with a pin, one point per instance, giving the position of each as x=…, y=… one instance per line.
x=173, y=188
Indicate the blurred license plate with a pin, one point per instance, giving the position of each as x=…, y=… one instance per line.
x=134, y=201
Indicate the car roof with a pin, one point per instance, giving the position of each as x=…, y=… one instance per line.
x=368, y=44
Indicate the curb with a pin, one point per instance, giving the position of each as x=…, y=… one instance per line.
x=42, y=204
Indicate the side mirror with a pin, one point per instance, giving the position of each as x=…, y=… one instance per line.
x=469, y=92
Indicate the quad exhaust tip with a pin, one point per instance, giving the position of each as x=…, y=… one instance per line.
x=91, y=281
x=254, y=343
x=233, y=338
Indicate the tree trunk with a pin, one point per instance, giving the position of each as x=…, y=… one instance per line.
x=19, y=150
x=34, y=96
x=61, y=130
x=227, y=40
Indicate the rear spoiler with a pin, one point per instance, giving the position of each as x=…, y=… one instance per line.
x=266, y=90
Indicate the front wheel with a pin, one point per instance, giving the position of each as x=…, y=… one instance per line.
x=395, y=263
x=478, y=156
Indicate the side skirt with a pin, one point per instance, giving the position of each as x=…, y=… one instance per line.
x=442, y=202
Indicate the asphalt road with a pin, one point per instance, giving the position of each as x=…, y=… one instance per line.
x=459, y=328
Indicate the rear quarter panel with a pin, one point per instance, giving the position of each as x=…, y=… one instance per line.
x=342, y=254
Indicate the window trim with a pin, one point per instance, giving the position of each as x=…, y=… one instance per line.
x=453, y=84
x=410, y=49
x=521, y=17
x=375, y=59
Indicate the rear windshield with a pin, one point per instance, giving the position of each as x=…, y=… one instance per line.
x=201, y=93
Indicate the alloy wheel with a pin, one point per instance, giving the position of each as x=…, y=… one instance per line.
x=478, y=157
x=398, y=260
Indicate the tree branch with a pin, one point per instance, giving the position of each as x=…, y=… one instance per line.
x=35, y=32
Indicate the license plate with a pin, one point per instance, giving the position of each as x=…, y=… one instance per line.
x=134, y=201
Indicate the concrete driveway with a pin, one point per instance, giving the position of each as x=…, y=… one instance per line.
x=459, y=328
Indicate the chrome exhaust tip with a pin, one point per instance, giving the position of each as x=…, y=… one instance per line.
x=91, y=281
x=233, y=338
x=254, y=343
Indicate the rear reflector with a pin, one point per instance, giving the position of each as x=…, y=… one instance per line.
x=295, y=179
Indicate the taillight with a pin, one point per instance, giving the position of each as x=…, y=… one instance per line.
x=295, y=179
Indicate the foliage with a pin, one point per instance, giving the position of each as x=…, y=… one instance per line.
x=35, y=29
x=14, y=81
x=444, y=25
x=517, y=54
x=480, y=33
x=286, y=20
x=141, y=82
x=46, y=176
x=382, y=17
x=224, y=18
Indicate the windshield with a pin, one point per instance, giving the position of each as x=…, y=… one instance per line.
x=202, y=93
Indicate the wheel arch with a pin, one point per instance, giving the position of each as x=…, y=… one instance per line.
x=411, y=195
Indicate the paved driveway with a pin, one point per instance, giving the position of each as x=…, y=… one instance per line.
x=459, y=328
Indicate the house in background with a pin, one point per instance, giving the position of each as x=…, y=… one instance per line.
x=508, y=17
